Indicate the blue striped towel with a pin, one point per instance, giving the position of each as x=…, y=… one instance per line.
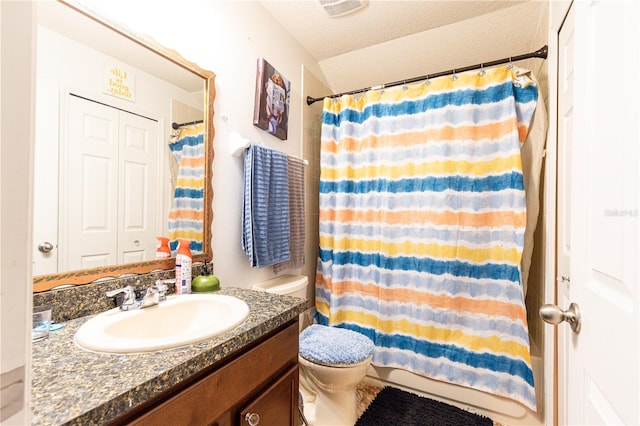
x=265, y=209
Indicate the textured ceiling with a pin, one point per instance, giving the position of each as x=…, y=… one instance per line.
x=393, y=40
x=377, y=22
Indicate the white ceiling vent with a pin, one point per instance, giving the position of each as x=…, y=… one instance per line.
x=335, y=8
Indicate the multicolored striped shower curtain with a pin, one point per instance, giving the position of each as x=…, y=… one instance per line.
x=186, y=217
x=422, y=218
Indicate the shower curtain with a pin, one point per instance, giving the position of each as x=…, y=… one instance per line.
x=422, y=219
x=186, y=217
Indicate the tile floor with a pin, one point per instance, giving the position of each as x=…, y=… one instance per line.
x=365, y=393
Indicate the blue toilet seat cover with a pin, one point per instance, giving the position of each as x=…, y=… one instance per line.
x=334, y=346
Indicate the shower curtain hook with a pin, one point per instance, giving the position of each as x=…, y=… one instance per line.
x=427, y=82
x=454, y=77
x=481, y=73
x=404, y=85
x=510, y=64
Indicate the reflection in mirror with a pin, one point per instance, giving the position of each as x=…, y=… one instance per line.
x=124, y=132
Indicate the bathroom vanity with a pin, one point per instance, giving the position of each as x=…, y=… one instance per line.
x=260, y=386
x=245, y=374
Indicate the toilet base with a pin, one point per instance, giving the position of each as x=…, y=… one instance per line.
x=331, y=409
x=329, y=392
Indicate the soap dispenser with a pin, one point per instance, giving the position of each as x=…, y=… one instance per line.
x=207, y=282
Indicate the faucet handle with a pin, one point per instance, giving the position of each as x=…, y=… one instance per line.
x=129, y=295
x=162, y=289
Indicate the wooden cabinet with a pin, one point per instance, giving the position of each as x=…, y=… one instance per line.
x=274, y=405
x=261, y=382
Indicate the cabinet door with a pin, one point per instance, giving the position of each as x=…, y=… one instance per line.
x=276, y=406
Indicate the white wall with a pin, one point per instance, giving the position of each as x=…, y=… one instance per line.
x=16, y=137
x=312, y=122
x=228, y=38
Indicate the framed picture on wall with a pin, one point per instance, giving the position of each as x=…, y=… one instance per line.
x=271, y=108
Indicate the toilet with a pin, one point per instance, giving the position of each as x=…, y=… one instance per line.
x=333, y=361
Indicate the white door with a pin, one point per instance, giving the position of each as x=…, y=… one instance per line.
x=565, y=144
x=599, y=367
x=89, y=186
x=45, y=181
x=138, y=176
x=109, y=188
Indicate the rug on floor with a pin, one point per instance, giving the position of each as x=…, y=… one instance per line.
x=393, y=406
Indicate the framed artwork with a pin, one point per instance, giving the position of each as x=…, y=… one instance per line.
x=271, y=108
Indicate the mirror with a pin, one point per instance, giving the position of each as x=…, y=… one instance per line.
x=132, y=90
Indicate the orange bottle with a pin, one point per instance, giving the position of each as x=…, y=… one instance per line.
x=162, y=248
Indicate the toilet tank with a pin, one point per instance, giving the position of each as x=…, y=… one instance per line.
x=289, y=285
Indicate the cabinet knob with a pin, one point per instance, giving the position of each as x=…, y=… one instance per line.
x=252, y=418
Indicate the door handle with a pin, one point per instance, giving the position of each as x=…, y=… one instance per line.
x=45, y=247
x=553, y=314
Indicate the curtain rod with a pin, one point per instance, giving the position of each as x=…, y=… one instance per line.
x=176, y=126
x=540, y=53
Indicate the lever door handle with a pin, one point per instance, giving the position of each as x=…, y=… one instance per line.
x=553, y=314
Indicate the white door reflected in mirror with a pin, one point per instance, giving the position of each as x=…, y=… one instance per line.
x=110, y=168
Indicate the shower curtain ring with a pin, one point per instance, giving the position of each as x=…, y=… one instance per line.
x=481, y=73
x=427, y=82
x=454, y=77
x=510, y=64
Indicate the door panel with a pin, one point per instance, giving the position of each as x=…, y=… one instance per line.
x=602, y=362
x=138, y=182
x=88, y=237
x=564, y=150
x=45, y=182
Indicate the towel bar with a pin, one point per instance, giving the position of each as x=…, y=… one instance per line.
x=238, y=144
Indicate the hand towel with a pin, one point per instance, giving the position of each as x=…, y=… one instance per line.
x=296, y=217
x=265, y=226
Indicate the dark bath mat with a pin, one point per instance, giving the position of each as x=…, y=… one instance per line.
x=393, y=406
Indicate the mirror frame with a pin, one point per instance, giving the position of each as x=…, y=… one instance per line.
x=47, y=282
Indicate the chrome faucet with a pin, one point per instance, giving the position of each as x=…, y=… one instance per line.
x=152, y=296
x=129, y=301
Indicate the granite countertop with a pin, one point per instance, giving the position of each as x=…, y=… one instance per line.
x=77, y=387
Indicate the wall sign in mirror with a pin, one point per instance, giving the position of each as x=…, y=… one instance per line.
x=120, y=83
x=121, y=138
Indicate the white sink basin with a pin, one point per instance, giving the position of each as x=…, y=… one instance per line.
x=177, y=321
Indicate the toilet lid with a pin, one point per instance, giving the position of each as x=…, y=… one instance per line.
x=334, y=346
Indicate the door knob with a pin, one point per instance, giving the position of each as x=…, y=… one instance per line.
x=554, y=315
x=252, y=418
x=45, y=247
